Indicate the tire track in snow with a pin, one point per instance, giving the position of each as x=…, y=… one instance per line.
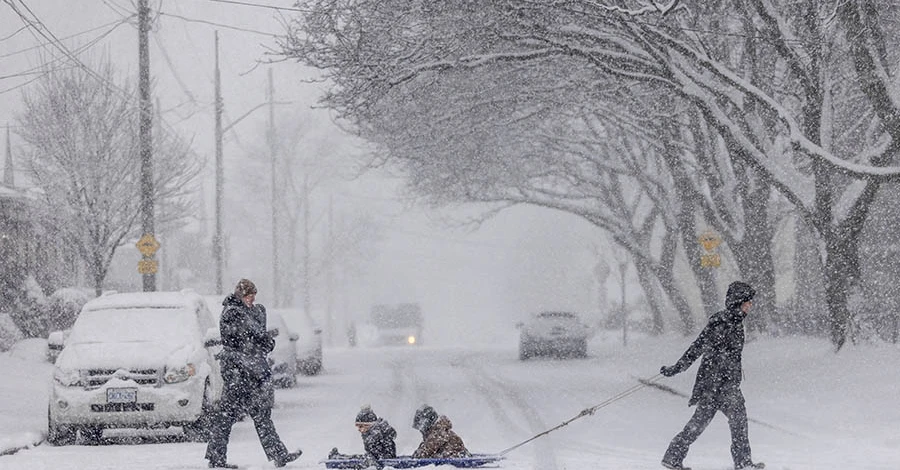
x=493, y=390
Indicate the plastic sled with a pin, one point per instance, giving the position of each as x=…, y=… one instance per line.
x=405, y=461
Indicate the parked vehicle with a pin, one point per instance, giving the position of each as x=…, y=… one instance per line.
x=558, y=334
x=282, y=359
x=136, y=360
x=399, y=324
x=308, y=344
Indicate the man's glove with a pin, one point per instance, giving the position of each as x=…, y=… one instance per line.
x=668, y=371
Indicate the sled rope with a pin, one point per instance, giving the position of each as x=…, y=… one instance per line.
x=667, y=389
x=587, y=411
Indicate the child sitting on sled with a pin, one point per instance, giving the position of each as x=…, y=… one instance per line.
x=438, y=439
x=377, y=436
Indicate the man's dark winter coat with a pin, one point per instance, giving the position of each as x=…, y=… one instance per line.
x=245, y=341
x=379, y=440
x=721, y=344
x=248, y=387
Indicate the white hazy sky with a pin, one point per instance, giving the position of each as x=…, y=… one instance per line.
x=521, y=261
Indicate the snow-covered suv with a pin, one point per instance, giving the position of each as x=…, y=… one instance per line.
x=553, y=333
x=136, y=360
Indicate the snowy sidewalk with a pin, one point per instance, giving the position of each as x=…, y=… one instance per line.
x=24, y=391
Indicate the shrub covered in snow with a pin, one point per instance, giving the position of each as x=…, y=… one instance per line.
x=63, y=307
x=9, y=332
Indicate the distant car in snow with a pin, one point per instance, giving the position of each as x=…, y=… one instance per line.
x=136, y=360
x=397, y=324
x=282, y=359
x=550, y=333
x=308, y=343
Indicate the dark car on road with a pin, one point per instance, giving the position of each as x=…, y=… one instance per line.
x=552, y=333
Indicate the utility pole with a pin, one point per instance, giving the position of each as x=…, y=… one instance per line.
x=147, y=244
x=163, y=275
x=218, y=251
x=329, y=274
x=307, y=229
x=8, y=178
x=273, y=153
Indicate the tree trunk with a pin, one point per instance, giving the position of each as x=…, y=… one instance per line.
x=838, y=279
x=645, y=279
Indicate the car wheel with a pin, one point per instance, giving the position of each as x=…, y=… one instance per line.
x=311, y=365
x=59, y=434
x=91, y=435
x=526, y=351
x=198, y=431
x=285, y=382
x=579, y=349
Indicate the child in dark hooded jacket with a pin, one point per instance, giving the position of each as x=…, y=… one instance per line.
x=378, y=440
x=377, y=435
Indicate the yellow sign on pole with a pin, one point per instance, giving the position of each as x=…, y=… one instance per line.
x=710, y=241
x=147, y=245
x=147, y=266
x=710, y=260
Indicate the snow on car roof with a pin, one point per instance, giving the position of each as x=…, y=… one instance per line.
x=557, y=315
x=142, y=300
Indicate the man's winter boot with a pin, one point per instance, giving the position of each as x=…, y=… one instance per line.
x=674, y=466
x=221, y=465
x=287, y=458
x=750, y=466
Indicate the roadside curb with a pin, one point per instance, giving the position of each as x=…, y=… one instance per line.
x=12, y=449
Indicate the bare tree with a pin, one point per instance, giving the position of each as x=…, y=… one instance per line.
x=81, y=130
x=765, y=79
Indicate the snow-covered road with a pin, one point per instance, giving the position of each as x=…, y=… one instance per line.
x=801, y=396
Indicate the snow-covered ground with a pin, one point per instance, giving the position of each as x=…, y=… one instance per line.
x=810, y=408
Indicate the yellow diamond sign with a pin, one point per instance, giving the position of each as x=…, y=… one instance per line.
x=147, y=245
x=709, y=240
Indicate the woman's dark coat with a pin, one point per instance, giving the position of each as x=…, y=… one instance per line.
x=721, y=343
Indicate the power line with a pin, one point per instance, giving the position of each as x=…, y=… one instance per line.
x=14, y=33
x=259, y=5
x=43, y=44
x=221, y=25
x=78, y=50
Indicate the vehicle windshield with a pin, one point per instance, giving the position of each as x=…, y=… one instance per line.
x=396, y=316
x=144, y=324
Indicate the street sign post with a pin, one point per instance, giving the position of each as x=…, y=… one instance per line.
x=710, y=241
x=147, y=266
x=148, y=246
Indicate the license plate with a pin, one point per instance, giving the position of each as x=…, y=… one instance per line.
x=121, y=395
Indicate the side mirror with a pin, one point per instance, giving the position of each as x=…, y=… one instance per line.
x=55, y=345
x=294, y=337
x=55, y=340
x=212, y=338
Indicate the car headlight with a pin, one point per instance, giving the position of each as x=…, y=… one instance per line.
x=68, y=378
x=411, y=339
x=179, y=374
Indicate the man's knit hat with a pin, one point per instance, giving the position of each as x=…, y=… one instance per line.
x=244, y=288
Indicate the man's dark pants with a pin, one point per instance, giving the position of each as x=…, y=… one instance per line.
x=243, y=394
x=734, y=409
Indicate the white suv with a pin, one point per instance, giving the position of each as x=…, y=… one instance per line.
x=136, y=360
